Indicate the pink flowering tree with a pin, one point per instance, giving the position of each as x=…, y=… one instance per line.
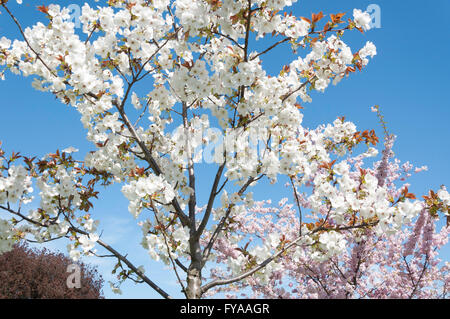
x=154, y=82
x=404, y=264
x=367, y=262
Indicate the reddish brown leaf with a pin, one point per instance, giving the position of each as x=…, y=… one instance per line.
x=317, y=17
x=43, y=9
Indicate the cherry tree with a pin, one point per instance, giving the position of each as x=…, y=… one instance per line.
x=162, y=86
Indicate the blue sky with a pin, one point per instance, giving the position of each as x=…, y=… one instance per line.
x=409, y=79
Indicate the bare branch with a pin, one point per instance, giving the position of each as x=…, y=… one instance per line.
x=183, y=289
x=229, y=38
x=301, y=86
x=298, y=205
x=270, y=48
x=190, y=168
x=212, y=197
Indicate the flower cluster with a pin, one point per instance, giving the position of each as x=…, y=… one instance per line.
x=15, y=185
x=147, y=188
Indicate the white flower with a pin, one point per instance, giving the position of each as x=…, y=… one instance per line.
x=73, y=252
x=88, y=242
x=341, y=168
x=407, y=210
x=91, y=225
x=6, y=241
x=181, y=234
x=5, y=43
x=368, y=50
x=332, y=242
x=75, y=255
x=272, y=240
x=362, y=19
x=371, y=152
x=444, y=196
x=70, y=150
x=115, y=289
x=135, y=101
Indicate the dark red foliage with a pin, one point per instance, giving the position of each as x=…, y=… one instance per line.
x=41, y=274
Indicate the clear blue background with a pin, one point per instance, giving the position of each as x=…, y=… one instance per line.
x=409, y=79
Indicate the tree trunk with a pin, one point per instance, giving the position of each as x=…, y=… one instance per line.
x=194, y=274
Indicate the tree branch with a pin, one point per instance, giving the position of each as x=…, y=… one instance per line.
x=212, y=197
x=270, y=48
x=190, y=168
x=183, y=289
